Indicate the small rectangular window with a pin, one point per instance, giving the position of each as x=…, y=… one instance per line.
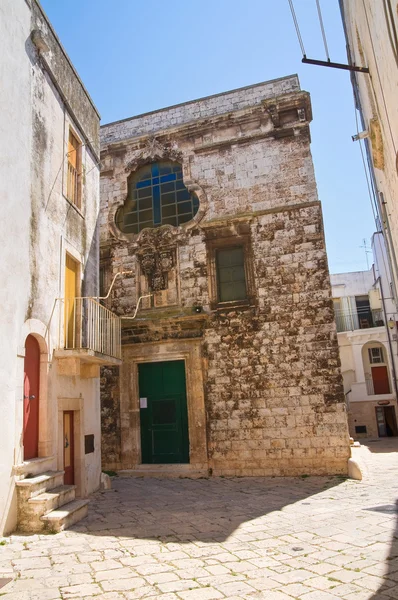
x=74, y=170
x=376, y=355
x=360, y=429
x=231, y=278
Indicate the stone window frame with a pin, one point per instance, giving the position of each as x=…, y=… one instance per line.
x=157, y=150
x=231, y=240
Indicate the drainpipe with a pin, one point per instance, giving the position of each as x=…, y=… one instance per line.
x=394, y=374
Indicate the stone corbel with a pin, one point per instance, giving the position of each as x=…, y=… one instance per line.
x=274, y=114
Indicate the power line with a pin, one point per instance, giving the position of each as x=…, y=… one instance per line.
x=322, y=29
x=297, y=27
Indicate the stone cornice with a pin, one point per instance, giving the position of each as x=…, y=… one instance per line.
x=271, y=109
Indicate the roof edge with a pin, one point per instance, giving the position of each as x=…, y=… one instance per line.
x=245, y=87
x=39, y=6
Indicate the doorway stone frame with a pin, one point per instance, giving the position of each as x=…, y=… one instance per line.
x=46, y=452
x=76, y=405
x=190, y=352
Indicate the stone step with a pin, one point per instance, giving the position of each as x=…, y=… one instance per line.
x=33, y=486
x=61, y=518
x=52, y=499
x=165, y=472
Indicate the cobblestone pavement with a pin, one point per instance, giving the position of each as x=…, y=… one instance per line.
x=311, y=538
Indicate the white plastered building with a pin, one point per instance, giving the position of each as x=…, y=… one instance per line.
x=55, y=334
x=366, y=319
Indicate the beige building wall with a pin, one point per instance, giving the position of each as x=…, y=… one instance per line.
x=357, y=336
x=372, y=36
x=43, y=99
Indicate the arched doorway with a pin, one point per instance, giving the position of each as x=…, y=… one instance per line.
x=376, y=368
x=31, y=398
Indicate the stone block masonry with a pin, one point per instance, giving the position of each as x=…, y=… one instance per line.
x=263, y=382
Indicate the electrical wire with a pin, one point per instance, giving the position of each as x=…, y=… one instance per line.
x=297, y=27
x=322, y=29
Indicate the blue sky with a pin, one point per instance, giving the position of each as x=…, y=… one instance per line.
x=135, y=57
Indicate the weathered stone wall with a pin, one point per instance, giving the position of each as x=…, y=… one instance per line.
x=211, y=106
x=110, y=415
x=272, y=386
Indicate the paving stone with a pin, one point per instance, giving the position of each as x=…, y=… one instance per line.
x=201, y=594
x=116, y=585
x=81, y=591
x=277, y=539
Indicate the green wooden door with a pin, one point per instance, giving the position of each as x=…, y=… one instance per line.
x=163, y=412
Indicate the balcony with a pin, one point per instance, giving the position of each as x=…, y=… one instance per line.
x=88, y=336
x=362, y=318
x=365, y=391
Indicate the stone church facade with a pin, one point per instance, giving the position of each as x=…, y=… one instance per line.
x=230, y=363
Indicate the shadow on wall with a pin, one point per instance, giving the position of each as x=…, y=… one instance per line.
x=206, y=511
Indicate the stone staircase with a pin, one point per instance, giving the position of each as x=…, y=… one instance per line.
x=46, y=504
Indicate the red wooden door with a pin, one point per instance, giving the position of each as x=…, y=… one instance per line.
x=69, y=454
x=31, y=398
x=380, y=380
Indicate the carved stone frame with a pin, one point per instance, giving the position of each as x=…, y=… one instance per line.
x=190, y=352
x=153, y=151
x=229, y=239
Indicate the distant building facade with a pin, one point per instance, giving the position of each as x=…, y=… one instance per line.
x=209, y=211
x=372, y=41
x=366, y=318
x=50, y=356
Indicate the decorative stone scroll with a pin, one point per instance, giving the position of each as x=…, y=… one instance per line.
x=156, y=255
x=153, y=151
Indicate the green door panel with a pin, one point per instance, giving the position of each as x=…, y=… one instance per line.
x=164, y=421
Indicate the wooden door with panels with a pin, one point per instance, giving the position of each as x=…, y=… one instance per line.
x=71, y=289
x=31, y=398
x=163, y=412
x=69, y=445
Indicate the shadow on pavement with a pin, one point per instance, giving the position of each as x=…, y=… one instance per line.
x=388, y=591
x=381, y=445
x=201, y=510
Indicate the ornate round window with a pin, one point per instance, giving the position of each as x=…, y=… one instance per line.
x=156, y=196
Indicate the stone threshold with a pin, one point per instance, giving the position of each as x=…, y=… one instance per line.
x=172, y=471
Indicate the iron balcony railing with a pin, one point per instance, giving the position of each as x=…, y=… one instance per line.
x=72, y=184
x=347, y=320
x=86, y=324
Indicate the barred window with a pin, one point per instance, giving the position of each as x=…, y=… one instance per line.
x=156, y=196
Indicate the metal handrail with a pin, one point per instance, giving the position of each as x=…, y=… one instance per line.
x=362, y=318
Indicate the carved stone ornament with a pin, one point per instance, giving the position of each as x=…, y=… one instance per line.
x=158, y=281
x=155, y=253
x=148, y=263
x=155, y=150
x=166, y=260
